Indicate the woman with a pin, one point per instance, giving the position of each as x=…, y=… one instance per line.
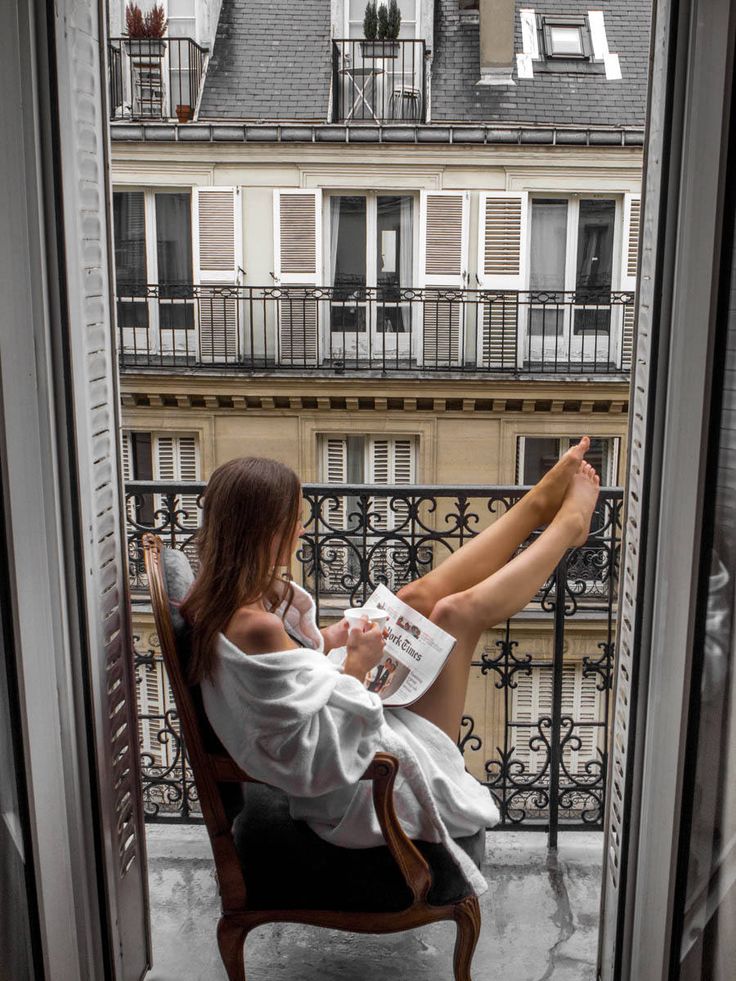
x=306, y=723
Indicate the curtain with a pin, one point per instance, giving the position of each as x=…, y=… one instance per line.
x=334, y=235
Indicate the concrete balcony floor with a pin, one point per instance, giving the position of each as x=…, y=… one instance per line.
x=540, y=920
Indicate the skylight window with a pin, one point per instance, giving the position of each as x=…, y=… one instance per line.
x=565, y=38
x=566, y=41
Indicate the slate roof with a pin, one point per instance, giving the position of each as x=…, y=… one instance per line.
x=271, y=63
x=546, y=99
x=271, y=60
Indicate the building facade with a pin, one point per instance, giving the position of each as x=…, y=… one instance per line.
x=406, y=265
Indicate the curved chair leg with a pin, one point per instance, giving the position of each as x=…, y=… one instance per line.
x=467, y=918
x=231, y=941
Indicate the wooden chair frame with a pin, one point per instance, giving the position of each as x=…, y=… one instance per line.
x=212, y=770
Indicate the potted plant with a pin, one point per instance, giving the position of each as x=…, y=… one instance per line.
x=381, y=26
x=184, y=113
x=145, y=32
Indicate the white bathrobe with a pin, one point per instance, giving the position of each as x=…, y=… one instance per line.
x=292, y=719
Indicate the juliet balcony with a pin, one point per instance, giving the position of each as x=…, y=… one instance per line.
x=379, y=81
x=389, y=330
x=154, y=78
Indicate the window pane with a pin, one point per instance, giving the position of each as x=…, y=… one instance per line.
x=540, y=455
x=129, y=224
x=394, y=260
x=595, y=245
x=174, y=238
x=601, y=457
x=347, y=243
x=566, y=40
x=548, y=245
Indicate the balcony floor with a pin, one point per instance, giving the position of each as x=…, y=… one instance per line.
x=540, y=920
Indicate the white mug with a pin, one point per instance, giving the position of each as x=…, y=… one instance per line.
x=354, y=615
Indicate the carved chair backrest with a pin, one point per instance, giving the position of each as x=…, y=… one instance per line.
x=214, y=770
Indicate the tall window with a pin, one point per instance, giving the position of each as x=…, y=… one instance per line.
x=371, y=245
x=153, y=246
x=538, y=454
x=410, y=12
x=365, y=459
x=571, y=250
x=162, y=457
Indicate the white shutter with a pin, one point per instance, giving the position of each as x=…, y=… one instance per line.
x=502, y=266
x=298, y=263
x=443, y=262
x=391, y=461
x=333, y=560
x=336, y=470
x=218, y=250
x=629, y=271
x=175, y=458
x=532, y=699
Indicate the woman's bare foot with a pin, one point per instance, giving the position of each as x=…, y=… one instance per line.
x=579, y=503
x=550, y=492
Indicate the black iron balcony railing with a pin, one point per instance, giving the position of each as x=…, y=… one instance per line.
x=154, y=78
x=433, y=329
x=542, y=744
x=379, y=81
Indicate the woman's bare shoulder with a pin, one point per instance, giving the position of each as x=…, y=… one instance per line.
x=257, y=632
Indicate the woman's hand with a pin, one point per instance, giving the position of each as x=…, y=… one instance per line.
x=336, y=635
x=365, y=649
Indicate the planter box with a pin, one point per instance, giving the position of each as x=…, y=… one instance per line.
x=145, y=48
x=379, y=49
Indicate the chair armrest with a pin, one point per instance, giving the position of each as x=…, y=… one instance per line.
x=382, y=771
x=227, y=770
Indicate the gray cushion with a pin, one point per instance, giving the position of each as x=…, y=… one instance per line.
x=287, y=866
x=178, y=576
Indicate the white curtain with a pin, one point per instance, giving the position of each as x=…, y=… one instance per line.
x=334, y=232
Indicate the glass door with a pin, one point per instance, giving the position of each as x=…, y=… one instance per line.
x=371, y=254
x=571, y=272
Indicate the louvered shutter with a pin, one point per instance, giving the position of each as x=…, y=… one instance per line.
x=127, y=464
x=218, y=251
x=334, y=555
x=336, y=468
x=443, y=263
x=502, y=268
x=629, y=271
x=175, y=459
x=532, y=699
x=392, y=461
x=298, y=262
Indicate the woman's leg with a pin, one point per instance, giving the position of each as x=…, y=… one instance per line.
x=467, y=614
x=494, y=546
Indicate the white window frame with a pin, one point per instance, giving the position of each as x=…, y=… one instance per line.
x=371, y=229
x=149, y=219
x=573, y=221
x=347, y=21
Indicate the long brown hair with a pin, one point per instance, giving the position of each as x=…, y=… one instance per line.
x=251, y=509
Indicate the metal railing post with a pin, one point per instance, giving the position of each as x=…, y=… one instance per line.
x=555, y=749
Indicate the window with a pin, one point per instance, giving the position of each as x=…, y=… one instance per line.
x=365, y=459
x=565, y=45
x=371, y=245
x=153, y=245
x=572, y=249
x=538, y=454
x=169, y=457
x=410, y=13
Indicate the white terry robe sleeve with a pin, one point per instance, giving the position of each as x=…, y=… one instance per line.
x=292, y=719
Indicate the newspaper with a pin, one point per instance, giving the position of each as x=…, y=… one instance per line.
x=415, y=652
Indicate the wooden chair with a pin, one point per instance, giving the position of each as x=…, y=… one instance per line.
x=271, y=868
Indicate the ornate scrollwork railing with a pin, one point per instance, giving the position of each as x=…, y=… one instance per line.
x=540, y=742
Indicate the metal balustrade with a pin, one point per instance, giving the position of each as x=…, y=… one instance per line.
x=541, y=746
x=437, y=329
x=379, y=81
x=154, y=78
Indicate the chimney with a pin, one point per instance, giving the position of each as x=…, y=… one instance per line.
x=496, y=41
